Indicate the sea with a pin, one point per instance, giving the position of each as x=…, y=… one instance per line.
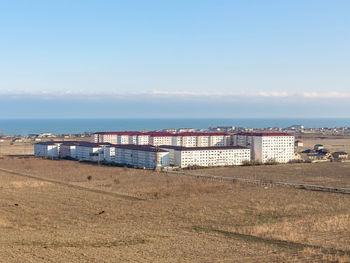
x=71, y=126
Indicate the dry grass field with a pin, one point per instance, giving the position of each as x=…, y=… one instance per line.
x=327, y=173
x=8, y=148
x=51, y=212
x=333, y=143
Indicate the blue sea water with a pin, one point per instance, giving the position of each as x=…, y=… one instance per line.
x=66, y=126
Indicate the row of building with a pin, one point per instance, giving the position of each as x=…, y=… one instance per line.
x=155, y=138
x=181, y=150
x=147, y=156
x=264, y=146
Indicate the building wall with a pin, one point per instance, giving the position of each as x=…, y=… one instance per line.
x=109, y=154
x=143, y=140
x=90, y=153
x=203, y=141
x=40, y=150
x=47, y=150
x=242, y=140
x=256, y=146
x=160, y=140
x=148, y=159
x=207, y=157
x=185, y=140
x=67, y=151
x=219, y=140
x=278, y=148
x=176, y=141
x=123, y=139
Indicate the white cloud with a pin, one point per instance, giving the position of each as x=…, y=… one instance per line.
x=326, y=95
x=178, y=93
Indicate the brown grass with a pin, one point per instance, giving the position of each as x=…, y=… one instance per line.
x=333, y=143
x=178, y=219
x=332, y=174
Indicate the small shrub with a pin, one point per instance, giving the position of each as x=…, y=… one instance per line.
x=271, y=161
x=116, y=181
x=89, y=177
x=194, y=167
x=297, y=161
x=250, y=163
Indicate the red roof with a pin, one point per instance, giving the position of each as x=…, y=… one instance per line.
x=159, y=134
x=164, y=134
x=201, y=134
x=120, y=133
x=146, y=148
x=263, y=134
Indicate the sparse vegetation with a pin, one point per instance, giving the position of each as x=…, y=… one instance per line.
x=173, y=215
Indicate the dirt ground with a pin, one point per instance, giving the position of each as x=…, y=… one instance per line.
x=65, y=211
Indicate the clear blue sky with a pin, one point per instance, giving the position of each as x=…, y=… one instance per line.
x=248, y=58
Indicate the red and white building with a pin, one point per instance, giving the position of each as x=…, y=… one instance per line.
x=155, y=138
x=201, y=139
x=267, y=146
x=160, y=138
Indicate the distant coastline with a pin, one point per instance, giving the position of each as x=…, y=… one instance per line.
x=69, y=126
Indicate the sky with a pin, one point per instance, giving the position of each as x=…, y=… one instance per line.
x=176, y=59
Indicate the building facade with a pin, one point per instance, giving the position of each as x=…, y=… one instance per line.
x=207, y=156
x=87, y=151
x=68, y=150
x=47, y=149
x=266, y=147
x=156, y=138
x=140, y=155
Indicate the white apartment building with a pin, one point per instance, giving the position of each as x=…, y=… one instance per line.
x=133, y=137
x=47, y=149
x=155, y=138
x=200, y=139
x=110, y=153
x=267, y=146
x=136, y=155
x=160, y=138
x=91, y=151
x=140, y=155
x=242, y=139
x=207, y=156
x=185, y=140
x=143, y=139
x=123, y=137
x=68, y=149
